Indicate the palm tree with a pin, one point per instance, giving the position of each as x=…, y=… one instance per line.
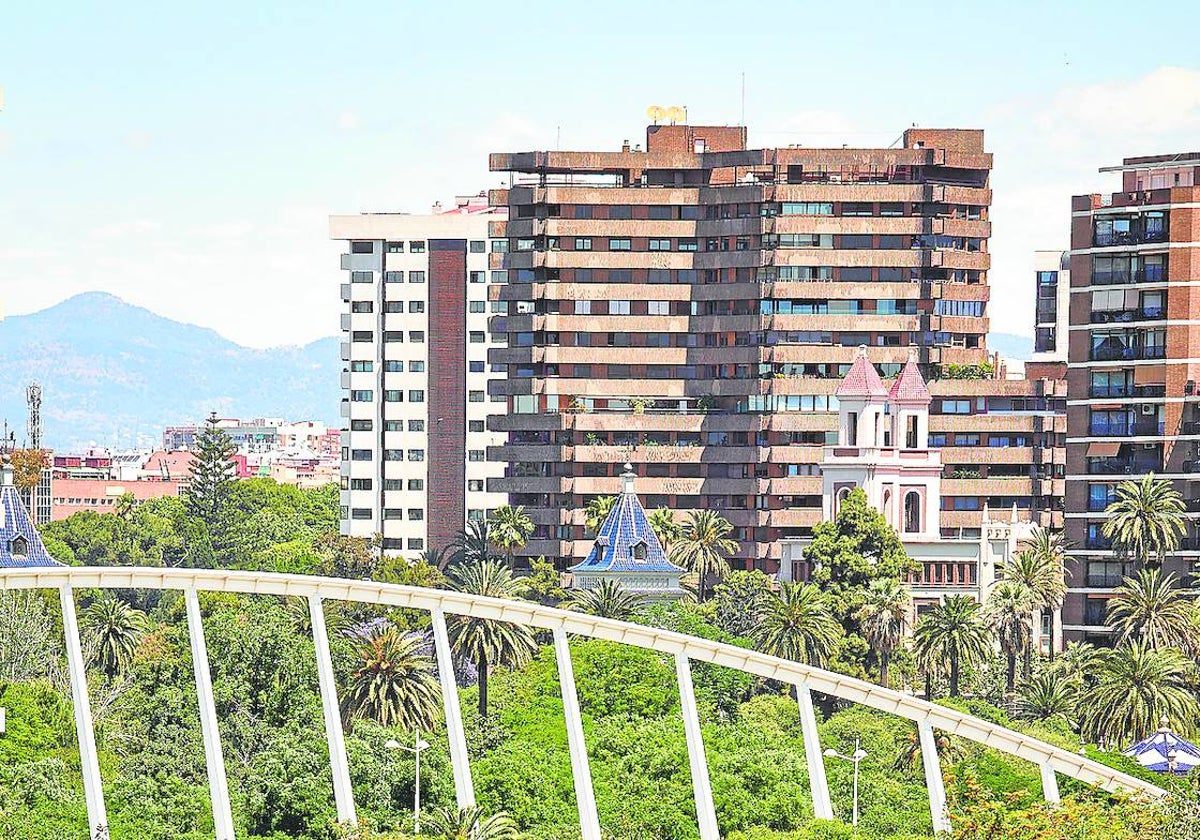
x=486, y=642
x=1080, y=663
x=949, y=750
x=953, y=632
x=435, y=557
x=470, y=824
x=1009, y=613
x=597, y=511
x=797, y=623
x=116, y=629
x=1042, y=567
x=1139, y=685
x=608, y=600
x=1048, y=695
x=395, y=683
x=1151, y=608
x=662, y=521
x=510, y=528
x=883, y=618
x=1145, y=520
x=703, y=546
x=471, y=545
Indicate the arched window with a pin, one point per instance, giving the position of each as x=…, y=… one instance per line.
x=911, y=431
x=912, y=512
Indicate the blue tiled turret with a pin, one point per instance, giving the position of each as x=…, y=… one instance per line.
x=20, y=544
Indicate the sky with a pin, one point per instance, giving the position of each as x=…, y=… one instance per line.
x=186, y=157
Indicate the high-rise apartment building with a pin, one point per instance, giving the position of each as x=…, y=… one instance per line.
x=415, y=382
x=1133, y=364
x=1052, y=296
x=691, y=309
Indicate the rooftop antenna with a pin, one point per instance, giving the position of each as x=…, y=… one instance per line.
x=655, y=113
x=33, y=399
x=677, y=114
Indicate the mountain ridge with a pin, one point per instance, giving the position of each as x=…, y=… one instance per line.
x=114, y=373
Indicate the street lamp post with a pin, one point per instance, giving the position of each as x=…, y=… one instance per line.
x=416, y=750
x=857, y=756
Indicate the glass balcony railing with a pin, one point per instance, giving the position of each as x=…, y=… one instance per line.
x=1119, y=466
x=1126, y=390
x=1125, y=428
x=1112, y=353
x=1119, y=316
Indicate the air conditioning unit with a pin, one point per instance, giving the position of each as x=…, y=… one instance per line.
x=1148, y=409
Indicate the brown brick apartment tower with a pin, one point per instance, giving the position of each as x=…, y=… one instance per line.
x=1134, y=359
x=690, y=309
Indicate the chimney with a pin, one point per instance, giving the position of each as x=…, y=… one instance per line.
x=627, y=479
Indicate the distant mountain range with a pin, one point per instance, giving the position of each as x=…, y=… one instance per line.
x=1010, y=346
x=114, y=374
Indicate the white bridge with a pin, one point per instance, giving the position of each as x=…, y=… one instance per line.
x=928, y=716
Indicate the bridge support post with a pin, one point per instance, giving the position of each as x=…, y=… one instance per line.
x=93, y=791
x=343, y=794
x=464, y=790
x=214, y=758
x=706, y=814
x=1049, y=785
x=585, y=798
x=933, y=777
x=822, y=807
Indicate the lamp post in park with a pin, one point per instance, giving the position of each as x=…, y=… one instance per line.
x=857, y=756
x=416, y=750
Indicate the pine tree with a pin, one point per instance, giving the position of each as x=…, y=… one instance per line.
x=212, y=472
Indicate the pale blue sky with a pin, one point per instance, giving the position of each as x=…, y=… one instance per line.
x=186, y=159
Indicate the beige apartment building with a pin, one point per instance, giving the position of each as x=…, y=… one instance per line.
x=691, y=307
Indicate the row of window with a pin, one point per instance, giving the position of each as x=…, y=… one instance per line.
x=745, y=210
x=415, y=246
x=415, y=366
x=367, y=425
x=415, y=455
x=418, y=337
x=552, y=338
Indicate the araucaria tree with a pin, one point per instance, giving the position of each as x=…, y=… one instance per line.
x=486, y=642
x=212, y=472
x=1146, y=519
x=952, y=634
x=394, y=684
x=704, y=546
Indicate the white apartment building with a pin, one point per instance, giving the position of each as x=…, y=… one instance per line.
x=1052, y=300
x=415, y=379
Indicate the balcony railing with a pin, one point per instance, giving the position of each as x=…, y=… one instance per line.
x=1119, y=390
x=1129, y=237
x=1115, y=466
x=1109, y=353
x=1150, y=274
x=1119, y=316
x=1125, y=428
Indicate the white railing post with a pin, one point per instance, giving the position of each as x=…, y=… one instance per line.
x=933, y=777
x=1049, y=785
x=460, y=760
x=214, y=758
x=585, y=798
x=343, y=794
x=93, y=790
x=706, y=814
x=818, y=784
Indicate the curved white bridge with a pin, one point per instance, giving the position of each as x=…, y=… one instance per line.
x=439, y=602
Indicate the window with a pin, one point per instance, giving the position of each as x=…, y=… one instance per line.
x=912, y=512
x=416, y=336
x=417, y=247
x=360, y=454
x=416, y=277
x=393, y=396
x=416, y=514
x=393, y=366
x=416, y=395
x=658, y=307
x=362, y=336
x=393, y=277
x=499, y=246
x=393, y=307
x=476, y=337
x=659, y=244
x=416, y=454
x=416, y=306
x=416, y=367
x=477, y=306
x=416, y=484
x=475, y=485
x=361, y=277
x=618, y=307
x=807, y=208
x=475, y=396
x=416, y=544
x=395, y=247
x=475, y=426
x=360, y=484
x=393, y=425
x=583, y=243
x=360, y=513
x=361, y=396
x=956, y=406
x=360, y=425
x=393, y=513
x=477, y=277
x=361, y=367
x=393, y=336
x=686, y=244
x=393, y=454
x=477, y=246
x=416, y=425
x=362, y=306
x=475, y=455
x=619, y=245
x=362, y=247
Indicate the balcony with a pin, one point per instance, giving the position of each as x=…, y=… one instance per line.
x=1122, y=466
x=1111, y=353
x=1122, y=390
x=1150, y=274
x=1128, y=427
x=1120, y=316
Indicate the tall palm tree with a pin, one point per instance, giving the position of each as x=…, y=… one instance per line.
x=394, y=684
x=471, y=545
x=608, y=600
x=1080, y=663
x=1042, y=567
x=665, y=527
x=703, y=547
x=1009, y=613
x=486, y=642
x=116, y=629
x=1050, y=694
x=509, y=529
x=883, y=618
x=1138, y=685
x=953, y=632
x=1145, y=520
x=470, y=824
x=597, y=510
x=797, y=623
x=1151, y=608
x=435, y=557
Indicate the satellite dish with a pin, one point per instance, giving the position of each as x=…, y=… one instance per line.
x=676, y=114
x=656, y=113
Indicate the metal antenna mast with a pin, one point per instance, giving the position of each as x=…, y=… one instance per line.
x=33, y=399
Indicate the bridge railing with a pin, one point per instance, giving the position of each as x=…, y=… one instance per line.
x=438, y=602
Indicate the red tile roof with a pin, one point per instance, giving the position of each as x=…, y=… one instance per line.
x=909, y=385
x=862, y=380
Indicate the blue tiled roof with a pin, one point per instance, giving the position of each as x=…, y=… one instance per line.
x=1151, y=752
x=20, y=544
x=615, y=549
